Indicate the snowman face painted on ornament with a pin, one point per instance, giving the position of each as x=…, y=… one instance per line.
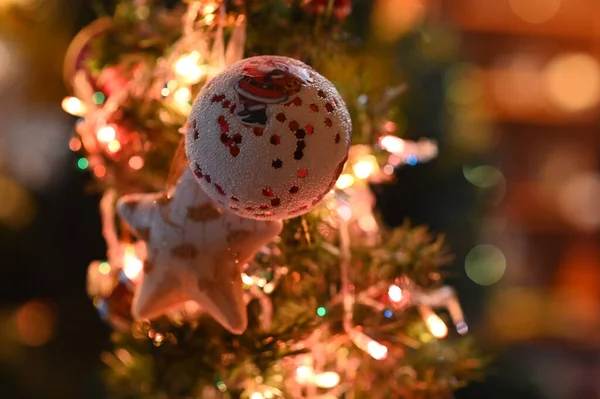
x=268, y=138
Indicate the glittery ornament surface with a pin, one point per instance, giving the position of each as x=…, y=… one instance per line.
x=268, y=137
x=195, y=251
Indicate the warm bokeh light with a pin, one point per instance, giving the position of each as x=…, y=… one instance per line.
x=74, y=106
x=36, y=323
x=74, y=144
x=572, y=81
x=328, y=379
x=114, y=146
x=132, y=265
x=106, y=134
x=99, y=171
x=392, y=18
x=436, y=326
x=257, y=395
x=247, y=279
x=365, y=167
x=17, y=206
x=104, y=268
x=136, y=162
x=395, y=293
x=367, y=223
x=535, y=11
x=209, y=8
x=579, y=200
x=345, y=212
x=485, y=264
x=188, y=68
x=304, y=375
x=344, y=181
x=392, y=144
x=484, y=176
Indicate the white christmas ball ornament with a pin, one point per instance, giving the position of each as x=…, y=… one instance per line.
x=268, y=137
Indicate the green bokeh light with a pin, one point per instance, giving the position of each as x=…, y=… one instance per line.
x=83, y=163
x=98, y=98
x=321, y=311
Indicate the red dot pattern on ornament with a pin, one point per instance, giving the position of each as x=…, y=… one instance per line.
x=226, y=104
x=267, y=192
x=263, y=206
x=249, y=208
x=275, y=140
x=309, y=129
x=275, y=202
x=329, y=107
x=234, y=198
x=278, y=163
x=207, y=178
x=302, y=172
x=258, y=131
x=198, y=171
x=313, y=107
x=195, y=130
x=337, y=138
x=234, y=208
x=220, y=189
x=321, y=94
x=280, y=117
x=218, y=98
x=232, y=108
x=294, y=189
x=294, y=125
x=296, y=101
x=230, y=142
x=328, y=122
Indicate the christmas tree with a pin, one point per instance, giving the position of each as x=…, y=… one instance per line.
x=213, y=295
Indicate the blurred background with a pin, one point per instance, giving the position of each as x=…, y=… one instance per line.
x=520, y=207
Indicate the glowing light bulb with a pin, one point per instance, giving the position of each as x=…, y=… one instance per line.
x=187, y=67
x=344, y=181
x=436, y=326
x=74, y=106
x=365, y=167
x=257, y=395
x=132, y=265
x=106, y=134
x=392, y=144
x=99, y=171
x=114, y=146
x=209, y=9
x=209, y=18
x=367, y=223
x=395, y=293
x=376, y=350
x=182, y=95
x=304, y=375
x=247, y=279
x=328, y=379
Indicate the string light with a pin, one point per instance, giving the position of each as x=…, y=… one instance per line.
x=247, y=279
x=376, y=350
x=395, y=293
x=436, y=326
x=304, y=375
x=328, y=379
x=257, y=395
x=392, y=144
x=106, y=134
x=132, y=265
x=73, y=106
x=321, y=311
